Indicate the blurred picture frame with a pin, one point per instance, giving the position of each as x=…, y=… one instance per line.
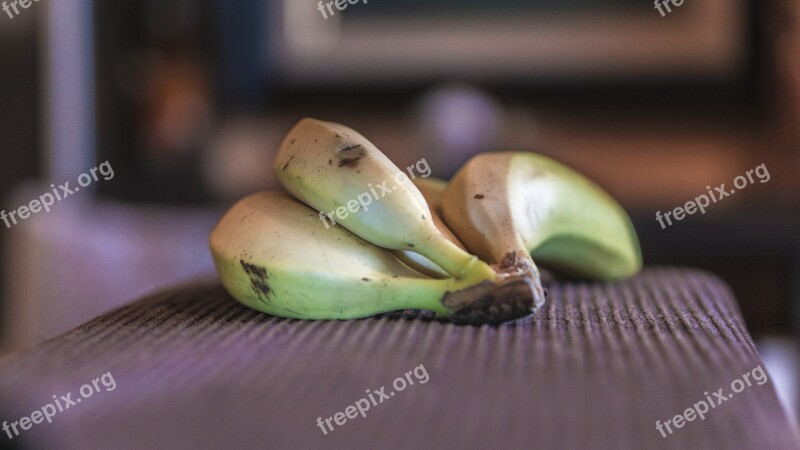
x=574, y=42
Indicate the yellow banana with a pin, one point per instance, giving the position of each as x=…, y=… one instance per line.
x=273, y=255
x=432, y=190
x=337, y=171
x=516, y=207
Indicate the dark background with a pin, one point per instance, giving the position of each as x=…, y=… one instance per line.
x=190, y=99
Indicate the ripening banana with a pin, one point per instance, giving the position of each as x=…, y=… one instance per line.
x=432, y=190
x=516, y=207
x=273, y=256
x=337, y=171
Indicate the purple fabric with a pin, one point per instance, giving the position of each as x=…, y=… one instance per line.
x=596, y=367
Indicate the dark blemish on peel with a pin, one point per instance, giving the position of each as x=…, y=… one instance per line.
x=350, y=155
x=479, y=196
x=287, y=162
x=365, y=279
x=330, y=162
x=258, y=280
x=292, y=141
x=410, y=245
x=349, y=148
x=295, y=312
x=349, y=161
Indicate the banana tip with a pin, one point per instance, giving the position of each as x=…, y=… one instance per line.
x=494, y=303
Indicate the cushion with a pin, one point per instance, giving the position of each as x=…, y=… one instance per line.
x=599, y=366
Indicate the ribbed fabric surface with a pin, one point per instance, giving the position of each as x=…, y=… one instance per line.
x=596, y=367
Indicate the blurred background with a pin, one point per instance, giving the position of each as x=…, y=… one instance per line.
x=188, y=100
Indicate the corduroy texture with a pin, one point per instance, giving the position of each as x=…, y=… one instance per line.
x=594, y=368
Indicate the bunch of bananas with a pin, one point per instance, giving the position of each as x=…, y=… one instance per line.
x=463, y=249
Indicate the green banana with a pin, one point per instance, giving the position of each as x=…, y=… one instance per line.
x=432, y=190
x=334, y=169
x=513, y=208
x=273, y=255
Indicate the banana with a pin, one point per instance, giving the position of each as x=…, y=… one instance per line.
x=513, y=208
x=432, y=190
x=336, y=170
x=273, y=256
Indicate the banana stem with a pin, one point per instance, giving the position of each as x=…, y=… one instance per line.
x=478, y=293
x=468, y=303
x=420, y=293
x=458, y=263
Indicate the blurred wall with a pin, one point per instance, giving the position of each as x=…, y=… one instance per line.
x=19, y=115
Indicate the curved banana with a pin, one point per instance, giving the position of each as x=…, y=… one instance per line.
x=273, y=256
x=334, y=169
x=432, y=190
x=509, y=207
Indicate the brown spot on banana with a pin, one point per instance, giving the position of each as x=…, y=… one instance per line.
x=350, y=155
x=493, y=303
x=287, y=162
x=258, y=280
